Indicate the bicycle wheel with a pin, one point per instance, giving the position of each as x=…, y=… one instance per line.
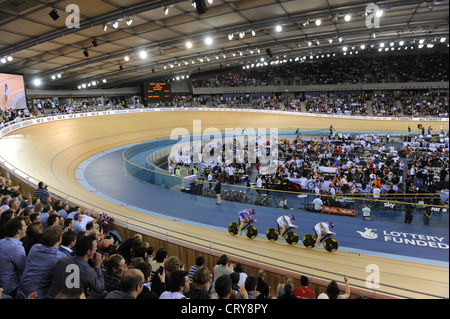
x=233, y=228
x=330, y=244
x=251, y=231
x=291, y=237
x=309, y=240
x=272, y=234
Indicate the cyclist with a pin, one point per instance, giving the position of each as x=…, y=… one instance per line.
x=322, y=231
x=285, y=222
x=245, y=216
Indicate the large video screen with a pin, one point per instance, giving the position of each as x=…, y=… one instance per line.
x=155, y=92
x=12, y=92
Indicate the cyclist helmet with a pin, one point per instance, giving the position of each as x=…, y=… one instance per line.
x=252, y=211
x=331, y=224
x=292, y=217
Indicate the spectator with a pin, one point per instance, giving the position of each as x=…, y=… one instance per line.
x=199, y=288
x=288, y=292
x=262, y=287
x=90, y=278
x=77, y=218
x=39, y=269
x=280, y=287
x=178, y=287
x=147, y=270
x=42, y=193
x=69, y=239
x=223, y=287
x=242, y=275
x=53, y=220
x=199, y=262
x=115, y=267
x=12, y=255
x=158, y=261
x=333, y=292
x=223, y=267
x=303, y=292
x=64, y=210
x=34, y=233
x=234, y=284
x=131, y=283
x=45, y=214
x=171, y=264
x=250, y=286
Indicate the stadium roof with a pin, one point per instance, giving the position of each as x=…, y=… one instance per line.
x=241, y=32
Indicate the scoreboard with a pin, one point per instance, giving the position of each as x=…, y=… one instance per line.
x=155, y=92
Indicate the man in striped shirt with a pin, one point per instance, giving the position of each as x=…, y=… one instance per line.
x=199, y=261
x=42, y=193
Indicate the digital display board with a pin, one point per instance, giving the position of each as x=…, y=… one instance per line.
x=12, y=92
x=155, y=92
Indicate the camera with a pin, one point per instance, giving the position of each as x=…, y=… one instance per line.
x=160, y=270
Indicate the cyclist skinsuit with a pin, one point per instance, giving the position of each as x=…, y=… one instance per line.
x=285, y=221
x=242, y=216
x=323, y=228
x=246, y=213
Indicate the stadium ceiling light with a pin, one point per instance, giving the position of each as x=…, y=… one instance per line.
x=104, y=27
x=363, y=46
x=347, y=17
x=115, y=24
x=3, y=60
x=443, y=39
x=241, y=34
x=166, y=10
x=230, y=36
x=278, y=28
x=10, y=58
x=37, y=82
x=208, y=41
x=143, y=54
x=318, y=22
x=189, y=44
x=254, y=33
x=129, y=21
x=126, y=58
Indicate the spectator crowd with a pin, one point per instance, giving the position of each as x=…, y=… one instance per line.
x=49, y=250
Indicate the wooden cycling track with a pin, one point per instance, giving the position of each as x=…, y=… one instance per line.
x=53, y=151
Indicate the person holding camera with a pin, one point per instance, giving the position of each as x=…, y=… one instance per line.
x=42, y=193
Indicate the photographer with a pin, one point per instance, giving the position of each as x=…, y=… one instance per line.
x=42, y=193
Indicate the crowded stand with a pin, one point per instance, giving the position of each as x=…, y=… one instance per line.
x=340, y=105
x=431, y=67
